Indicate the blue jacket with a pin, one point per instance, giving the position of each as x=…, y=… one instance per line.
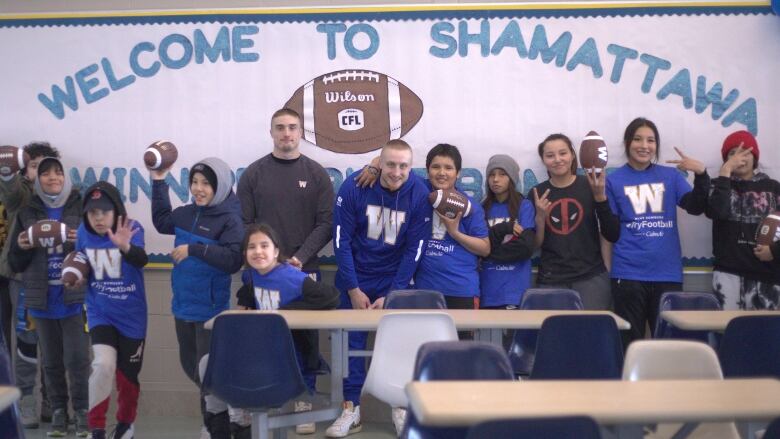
x=201, y=282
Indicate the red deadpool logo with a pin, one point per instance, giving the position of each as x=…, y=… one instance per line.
x=565, y=216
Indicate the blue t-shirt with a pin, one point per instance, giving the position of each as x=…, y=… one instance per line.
x=55, y=302
x=446, y=265
x=280, y=286
x=115, y=292
x=503, y=283
x=646, y=204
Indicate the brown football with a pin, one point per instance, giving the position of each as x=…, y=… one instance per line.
x=355, y=111
x=593, y=152
x=450, y=202
x=768, y=232
x=47, y=233
x=75, y=267
x=160, y=155
x=12, y=159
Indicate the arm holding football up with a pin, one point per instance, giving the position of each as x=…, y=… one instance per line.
x=162, y=217
x=476, y=245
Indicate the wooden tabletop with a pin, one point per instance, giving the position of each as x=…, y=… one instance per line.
x=8, y=395
x=707, y=320
x=464, y=403
x=352, y=319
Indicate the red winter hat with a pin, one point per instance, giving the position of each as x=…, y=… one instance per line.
x=734, y=139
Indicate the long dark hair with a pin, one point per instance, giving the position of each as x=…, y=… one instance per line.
x=513, y=202
x=268, y=231
x=635, y=124
x=567, y=141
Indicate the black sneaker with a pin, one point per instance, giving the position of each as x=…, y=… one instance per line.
x=82, y=426
x=59, y=423
x=122, y=430
x=98, y=433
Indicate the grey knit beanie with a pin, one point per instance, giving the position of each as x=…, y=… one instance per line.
x=508, y=164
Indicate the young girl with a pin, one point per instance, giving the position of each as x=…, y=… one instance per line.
x=207, y=251
x=56, y=312
x=746, y=275
x=275, y=284
x=506, y=272
x=571, y=214
x=116, y=306
x=646, y=260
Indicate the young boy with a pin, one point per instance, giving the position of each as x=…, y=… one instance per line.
x=207, y=251
x=15, y=193
x=116, y=306
x=56, y=312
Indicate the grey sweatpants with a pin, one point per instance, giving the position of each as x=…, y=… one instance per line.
x=595, y=292
x=65, y=347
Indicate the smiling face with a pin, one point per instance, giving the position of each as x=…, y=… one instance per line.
x=201, y=190
x=442, y=172
x=100, y=220
x=52, y=180
x=557, y=158
x=642, y=149
x=395, y=165
x=261, y=253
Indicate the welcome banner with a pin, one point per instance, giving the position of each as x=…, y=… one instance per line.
x=489, y=79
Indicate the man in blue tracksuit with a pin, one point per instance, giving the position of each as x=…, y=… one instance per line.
x=207, y=250
x=379, y=234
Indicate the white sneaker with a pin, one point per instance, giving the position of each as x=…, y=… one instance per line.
x=310, y=428
x=204, y=433
x=347, y=423
x=399, y=419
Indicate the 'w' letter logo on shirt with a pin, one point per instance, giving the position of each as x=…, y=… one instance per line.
x=384, y=220
x=302, y=184
x=646, y=195
x=105, y=262
x=266, y=299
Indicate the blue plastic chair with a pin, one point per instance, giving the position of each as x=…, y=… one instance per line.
x=678, y=301
x=751, y=347
x=772, y=430
x=578, y=347
x=259, y=374
x=580, y=427
x=455, y=360
x=523, y=347
x=415, y=299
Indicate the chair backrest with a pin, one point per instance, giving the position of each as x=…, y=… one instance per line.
x=772, y=430
x=684, y=301
x=461, y=360
x=551, y=298
x=455, y=360
x=398, y=337
x=751, y=347
x=580, y=427
x=670, y=359
x=523, y=347
x=261, y=371
x=415, y=299
x=578, y=347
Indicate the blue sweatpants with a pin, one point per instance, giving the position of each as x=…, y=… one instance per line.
x=353, y=384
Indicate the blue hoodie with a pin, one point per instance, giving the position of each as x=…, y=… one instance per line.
x=201, y=282
x=378, y=233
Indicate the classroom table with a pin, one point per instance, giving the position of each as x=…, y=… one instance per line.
x=488, y=324
x=711, y=320
x=624, y=406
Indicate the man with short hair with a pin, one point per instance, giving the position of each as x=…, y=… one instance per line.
x=379, y=234
x=294, y=195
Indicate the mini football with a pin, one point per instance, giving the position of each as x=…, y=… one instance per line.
x=768, y=232
x=47, y=233
x=160, y=155
x=450, y=202
x=12, y=159
x=593, y=152
x=75, y=267
x=355, y=111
